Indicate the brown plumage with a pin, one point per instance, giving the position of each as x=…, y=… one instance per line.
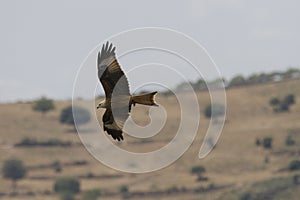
x=118, y=100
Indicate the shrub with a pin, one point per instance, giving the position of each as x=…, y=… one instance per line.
x=31, y=142
x=27, y=142
x=238, y=81
x=67, y=185
x=296, y=179
x=294, y=165
x=173, y=188
x=81, y=115
x=267, y=142
x=282, y=105
x=57, y=167
x=274, y=101
x=214, y=110
x=124, y=189
x=43, y=105
x=13, y=169
x=289, y=141
x=199, y=170
x=289, y=99
x=246, y=196
x=257, y=142
x=92, y=194
x=67, y=196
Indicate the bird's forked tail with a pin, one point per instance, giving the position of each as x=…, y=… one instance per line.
x=145, y=99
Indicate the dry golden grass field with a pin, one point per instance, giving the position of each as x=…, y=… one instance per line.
x=236, y=169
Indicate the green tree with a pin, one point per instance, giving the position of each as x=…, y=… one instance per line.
x=81, y=115
x=13, y=169
x=67, y=185
x=238, y=81
x=274, y=101
x=267, y=142
x=43, y=105
x=199, y=171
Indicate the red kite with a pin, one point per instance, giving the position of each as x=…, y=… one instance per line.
x=118, y=100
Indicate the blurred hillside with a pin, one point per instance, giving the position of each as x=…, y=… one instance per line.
x=238, y=168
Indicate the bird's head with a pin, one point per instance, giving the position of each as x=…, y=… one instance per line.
x=102, y=104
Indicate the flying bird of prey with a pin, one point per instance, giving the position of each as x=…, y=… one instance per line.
x=118, y=100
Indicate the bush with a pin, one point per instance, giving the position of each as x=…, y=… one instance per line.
x=81, y=115
x=246, y=196
x=27, y=142
x=124, y=189
x=296, y=180
x=238, y=81
x=43, y=105
x=31, y=142
x=92, y=194
x=289, y=99
x=289, y=141
x=267, y=142
x=67, y=185
x=197, y=169
x=282, y=105
x=13, y=169
x=294, y=165
x=214, y=110
x=257, y=142
x=67, y=196
x=274, y=101
x=57, y=166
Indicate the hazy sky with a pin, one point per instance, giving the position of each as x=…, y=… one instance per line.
x=43, y=43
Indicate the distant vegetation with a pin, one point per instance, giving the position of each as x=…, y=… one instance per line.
x=43, y=105
x=67, y=187
x=294, y=165
x=240, y=80
x=266, y=142
x=57, y=166
x=273, y=188
x=199, y=171
x=31, y=142
x=282, y=105
x=124, y=189
x=82, y=115
x=13, y=169
x=92, y=194
x=289, y=141
x=214, y=110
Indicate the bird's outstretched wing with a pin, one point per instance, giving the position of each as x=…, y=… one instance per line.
x=110, y=73
x=116, y=89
